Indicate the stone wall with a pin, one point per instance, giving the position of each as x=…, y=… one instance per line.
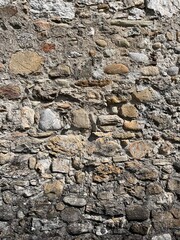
x=90, y=120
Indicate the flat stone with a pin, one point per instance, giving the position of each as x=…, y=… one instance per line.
x=49, y=120
x=6, y=158
x=81, y=119
x=55, y=187
x=101, y=42
x=173, y=71
x=10, y=91
x=139, y=57
x=116, y=68
x=165, y=236
x=138, y=149
x=146, y=95
x=60, y=71
x=128, y=110
x=70, y=215
x=137, y=213
x=27, y=117
x=150, y=71
x=64, y=10
x=93, y=83
x=80, y=228
x=109, y=120
x=25, y=62
x=131, y=23
x=146, y=174
x=60, y=165
x=75, y=201
x=133, y=125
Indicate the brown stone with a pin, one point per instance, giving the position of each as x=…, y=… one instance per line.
x=147, y=174
x=10, y=91
x=92, y=53
x=150, y=71
x=101, y=42
x=153, y=189
x=25, y=62
x=81, y=119
x=48, y=47
x=105, y=172
x=116, y=69
x=133, y=125
x=42, y=24
x=55, y=187
x=8, y=11
x=128, y=110
x=138, y=149
x=60, y=71
x=146, y=95
x=93, y=83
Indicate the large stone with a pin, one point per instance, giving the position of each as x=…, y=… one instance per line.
x=49, y=120
x=25, y=62
x=10, y=91
x=130, y=23
x=59, y=8
x=138, y=149
x=55, y=187
x=81, y=119
x=128, y=110
x=137, y=213
x=75, y=201
x=116, y=68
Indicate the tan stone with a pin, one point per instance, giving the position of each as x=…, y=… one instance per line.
x=42, y=24
x=25, y=62
x=116, y=68
x=123, y=135
x=133, y=125
x=150, y=71
x=6, y=158
x=146, y=95
x=80, y=176
x=138, y=149
x=27, y=117
x=60, y=165
x=81, y=119
x=129, y=110
x=55, y=187
x=101, y=42
x=105, y=172
x=32, y=162
x=10, y=91
x=60, y=71
x=92, y=53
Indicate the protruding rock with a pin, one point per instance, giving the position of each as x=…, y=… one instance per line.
x=75, y=201
x=116, y=68
x=49, y=120
x=129, y=110
x=101, y=42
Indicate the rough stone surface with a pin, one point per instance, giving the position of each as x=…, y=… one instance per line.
x=89, y=120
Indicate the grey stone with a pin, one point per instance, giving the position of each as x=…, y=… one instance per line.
x=165, y=236
x=173, y=71
x=49, y=120
x=79, y=228
x=90, y=2
x=109, y=120
x=70, y=215
x=60, y=165
x=137, y=213
x=75, y=201
x=139, y=57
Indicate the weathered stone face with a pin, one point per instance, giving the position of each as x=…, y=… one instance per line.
x=89, y=119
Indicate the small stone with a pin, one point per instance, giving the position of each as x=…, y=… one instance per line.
x=173, y=71
x=10, y=91
x=42, y=25
x=109, y=120
x=81, y=119
x=165, y=236
x=139, y=57
x=49, y=120
x=133, y=125
x=80, y=176
x=130, y=3
x=137, y=213
x=75, y=201
x=128, y=110
x=146, y=95
x=60, y=206
x=60, y=71
x=101, y=42
x=6, y=158
x=27, y=117
x=25, y=62
x=121, y=42
x=70, y=215
x=157, y=45
x=32, y=162
x=116, y=69
x=93, y=83
x=48, y=47
x=55, y=187
x=150, y=71
x=60, y=165
x=138, y=149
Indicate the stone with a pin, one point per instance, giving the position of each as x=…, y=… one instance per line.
x=6, y=158
x=109, y=120
x=106, y=172
x=49, y=120
x=121, y=42
x=32, y=162
x=80, y=177
x=10, y=91
x=176, y=166
x=137, y=213
x=132, y=3
x=105, y=147
x=133, y=125
x=80, y=228
x=27, y=117
x=93, y=83
x=116, y=68
x=64, y=10
x=150, y=71
x=153, y=189
x=60, y=71
x=165, y=236
x=131, y=23
x=75, y=201
x=146, y=174
x=81, y=119
x=60, y=165
x=139, y=57
x=164, y=7
x=138, y=149
x=25, y=62
x=42, y=25
x=4, y=2
x=146, y=95
x=128, y=110
x=173, y=71
x=101, y=42
x=174, y=185
x=140, y=228
x=123, y=135
x=56, y=187
x=70, y=215
x=48, y=47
